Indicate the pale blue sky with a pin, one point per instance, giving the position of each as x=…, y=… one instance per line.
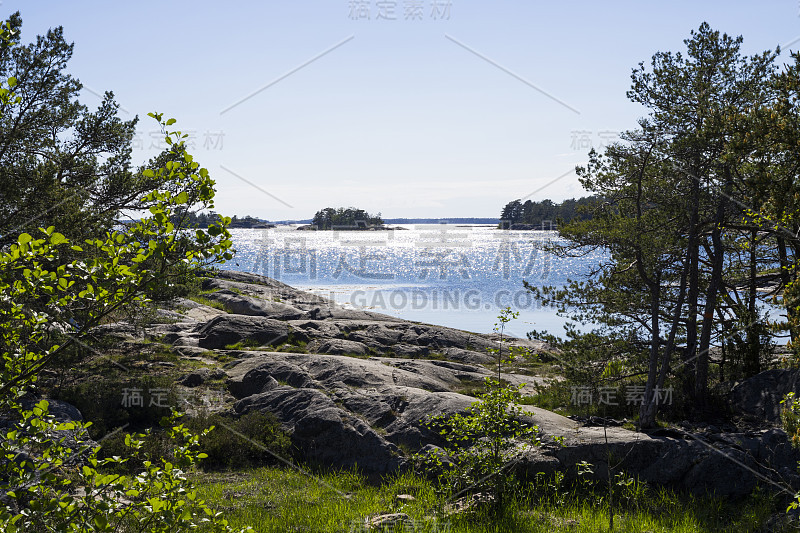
x=402, y=117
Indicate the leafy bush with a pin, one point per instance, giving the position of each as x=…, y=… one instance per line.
x=790, y=416
x=51, y=478
x=483, y=442
x=252, y=439
x=53, y=481
x=107, y=402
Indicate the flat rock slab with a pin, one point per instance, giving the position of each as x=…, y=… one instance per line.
x=225, y=330
x=328, y=327
x=362, y=393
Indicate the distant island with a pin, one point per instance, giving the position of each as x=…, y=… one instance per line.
x=202, y=220
x=349, y=218
x=461, y=220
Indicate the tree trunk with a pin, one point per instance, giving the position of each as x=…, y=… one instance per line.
x=649, y=407
x=752, y=363
x=701, y=372
x=694, y=289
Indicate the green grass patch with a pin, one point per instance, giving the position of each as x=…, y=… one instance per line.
x=273, y=499
x=246, y=344
x=209, y=303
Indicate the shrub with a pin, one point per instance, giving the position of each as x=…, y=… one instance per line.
x=41, y=481
x=252, y=439
x=483, y=442
x=790, y=416
x=108, y=403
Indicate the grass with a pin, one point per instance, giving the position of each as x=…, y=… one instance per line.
x=273, y=499
x=244, y=345
x=430, y=356
x=209, y=303
x=230, y=288
x=474, y=387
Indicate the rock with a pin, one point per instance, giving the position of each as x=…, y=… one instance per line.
x=467, y=356
x=345, y=411
x=240, y=304
x=120, y=331
x=337, y=347
x=77, y=439
x=401, y=412
x=64, y=411
x=436, y=460
x=725, y=472
x=323, y=432
x=377, y=335
x=327, y=326
x=225, y=330
x=408, y=350
x=468, y=504
x=196, y=378
x=724, y=464
x=336, y=371
x=533, y=460
x=312, y=329
x=760, y=396
x=252, y=383
x=389, y=522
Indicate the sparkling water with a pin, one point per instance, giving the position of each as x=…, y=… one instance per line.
x=451, y=275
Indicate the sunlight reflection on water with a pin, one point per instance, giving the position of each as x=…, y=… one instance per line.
x=458, y=276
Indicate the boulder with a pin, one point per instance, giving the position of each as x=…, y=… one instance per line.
x=760, y=396
x=337, y=347
x=196, y=378
x=534, y=460
x=333, y=371
x=323, y=432
x=312, y=329
x=59, y=409
x=225, y=330
x=241, y=304
x=727, y=465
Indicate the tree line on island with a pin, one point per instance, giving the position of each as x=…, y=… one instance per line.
x=345, y=218
x=203, y=220
x=545, y=214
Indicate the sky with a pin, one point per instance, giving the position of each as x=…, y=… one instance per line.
x=410, y=108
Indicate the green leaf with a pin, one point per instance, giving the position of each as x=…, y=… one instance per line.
x=24, y=238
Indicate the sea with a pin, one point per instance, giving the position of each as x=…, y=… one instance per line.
x=453, y=275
